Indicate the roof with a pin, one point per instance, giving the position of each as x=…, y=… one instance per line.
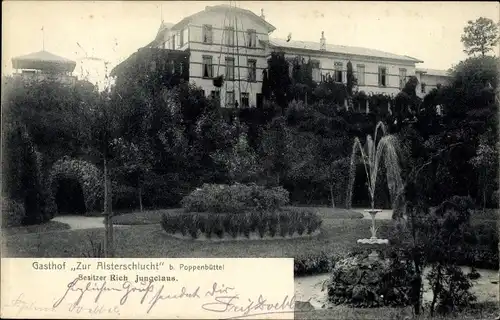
x=434, y=72
x=223, y=8
x=43, y=60
x=347, y=50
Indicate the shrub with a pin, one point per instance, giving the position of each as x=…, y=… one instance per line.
x=235, y=198
x=286, y=222
x=12, y=213
x=313, y=264
x=450, y=287
x=358, y=282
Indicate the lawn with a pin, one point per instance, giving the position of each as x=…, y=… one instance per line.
x=154, y=216
x=338, y=236
x=37, y=228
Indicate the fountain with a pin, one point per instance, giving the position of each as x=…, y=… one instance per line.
x=372, y=156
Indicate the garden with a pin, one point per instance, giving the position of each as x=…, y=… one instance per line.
x=172, y=175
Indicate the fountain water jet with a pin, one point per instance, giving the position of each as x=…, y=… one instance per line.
x=372, y=156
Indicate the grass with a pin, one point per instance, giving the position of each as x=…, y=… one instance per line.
x=37, y=228
x=338, y=236
x=155, y=216
x=144, y=217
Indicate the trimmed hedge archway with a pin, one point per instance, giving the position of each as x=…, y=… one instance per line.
x=88, y=176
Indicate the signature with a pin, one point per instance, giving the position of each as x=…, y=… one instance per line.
x=21, y=305
x=149, y=292
x=260, y=306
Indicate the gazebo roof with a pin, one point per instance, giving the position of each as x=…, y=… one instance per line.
x=43, y=60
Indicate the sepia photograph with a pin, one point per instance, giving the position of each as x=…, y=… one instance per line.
x=358, y=138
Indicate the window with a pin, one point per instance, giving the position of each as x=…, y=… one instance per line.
x=207, y=67
x=382, y=76
x=207, y=33
x=230, y=98
x=229, y=31
x=316, y=71
x=173, y=42
x=338, y=72
x=245, y=103
x=181, y=38
x=215, y=94
x=422, y=87
x=252, y=70
x=360, y=74
x=402, y=78
x=229, y=68
x=251, y=38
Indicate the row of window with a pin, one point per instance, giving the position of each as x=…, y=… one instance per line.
x=230, y=100
x=338, y=74
x=230, y=37
x=208, y=68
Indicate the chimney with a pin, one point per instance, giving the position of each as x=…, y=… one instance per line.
x=322, y=42
x=262, y=14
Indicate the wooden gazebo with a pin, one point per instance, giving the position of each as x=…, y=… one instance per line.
x=44, y=61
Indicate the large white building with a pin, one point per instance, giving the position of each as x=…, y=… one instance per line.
x=236, y=43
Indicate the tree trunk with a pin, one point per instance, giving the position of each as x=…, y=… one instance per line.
x=108, y=240
x=331, y=195
x=140, y=193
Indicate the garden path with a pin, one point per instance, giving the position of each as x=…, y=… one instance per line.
x=81, y=222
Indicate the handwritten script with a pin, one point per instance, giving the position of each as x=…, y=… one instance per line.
x=219, y=298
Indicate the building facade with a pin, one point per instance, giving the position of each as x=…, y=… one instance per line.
x=235, y=43
x=429, y=79
x=44, y=66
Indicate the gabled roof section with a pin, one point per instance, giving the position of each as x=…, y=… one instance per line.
x=434, y=72
x=224, y=8
x=43, y=60
x=347, y=50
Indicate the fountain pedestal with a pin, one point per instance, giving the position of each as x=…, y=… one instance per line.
x=374, y=243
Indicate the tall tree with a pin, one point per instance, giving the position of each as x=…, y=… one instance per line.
x=351, y=79
x=480, y=36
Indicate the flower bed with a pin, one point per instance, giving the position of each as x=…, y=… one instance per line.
x=278, y=224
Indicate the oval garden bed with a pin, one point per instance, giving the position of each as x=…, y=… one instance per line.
x=254, y=225
x=240, y=212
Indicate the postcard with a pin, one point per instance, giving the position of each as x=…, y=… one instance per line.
x=250, y=160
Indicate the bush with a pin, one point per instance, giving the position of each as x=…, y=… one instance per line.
x=272, y=223
x=450, y=287
x=313, y=264
x=358, y=282
x=235, y=198
x=12, y=213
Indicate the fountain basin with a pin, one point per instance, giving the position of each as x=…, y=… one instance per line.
x=373, y=241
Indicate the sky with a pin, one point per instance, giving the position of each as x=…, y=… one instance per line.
x=113, y=30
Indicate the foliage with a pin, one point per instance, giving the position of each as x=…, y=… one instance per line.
x=278, y=78
x=358, y=282
x=87, y=174
x=240, y=162
x=234, y=198
x=12, y=213
x=432, y=237
x=450, y=289
x=351, y=79
x=272, y=223
x=313, y=264
x=480, y=36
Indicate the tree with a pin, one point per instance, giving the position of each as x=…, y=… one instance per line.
x=351, y=79
x=480, y=36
